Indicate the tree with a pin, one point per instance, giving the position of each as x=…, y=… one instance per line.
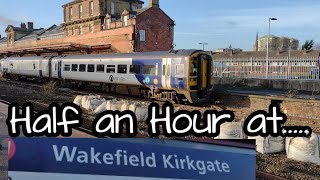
x=308, y=45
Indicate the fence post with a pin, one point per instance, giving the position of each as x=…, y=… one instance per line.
x=288, y=62
x=251, y=69
x=221, y=68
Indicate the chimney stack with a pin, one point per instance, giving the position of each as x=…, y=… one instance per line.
x=154, y=3
x=30, y=25
x=23, y=26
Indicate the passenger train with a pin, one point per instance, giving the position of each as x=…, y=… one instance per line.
x=177, y=76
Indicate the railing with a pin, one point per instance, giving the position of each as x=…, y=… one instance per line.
x=304, y=68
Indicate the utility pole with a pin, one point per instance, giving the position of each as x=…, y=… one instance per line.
x=203, y=44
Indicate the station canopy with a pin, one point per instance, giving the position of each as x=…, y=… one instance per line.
x=55, y=49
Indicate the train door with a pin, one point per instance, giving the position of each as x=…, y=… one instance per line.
x=204, y=73
x=56, y=68
x=166, y=73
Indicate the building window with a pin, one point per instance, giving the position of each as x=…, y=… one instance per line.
x=82, y=68
x=72, y=31
x=90, y=28
x=100, y=68
x=112, y=8
x=108, y=23
x=125, y=20
x=142, y=35
x=91, y=8
x=80, y=30
x=80, y=11
x=122, y=69
x=90, y=67
x=134, y=7
x=70, y=13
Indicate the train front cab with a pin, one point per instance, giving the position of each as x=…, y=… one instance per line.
x=200, y=80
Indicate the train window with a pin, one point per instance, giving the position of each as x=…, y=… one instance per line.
x=100, y=68
x=82, y=68
x=111, y=68
x=122, y=69
x=74, y=67
x=179, y=70
x=34, y=66
x=90, y=67
x=67, y=67
x=149, y=69
x=55, y=67
x=135, y=69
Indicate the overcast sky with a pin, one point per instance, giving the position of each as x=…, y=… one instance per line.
x=218, y=23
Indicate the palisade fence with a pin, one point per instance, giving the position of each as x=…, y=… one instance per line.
x=299, y=68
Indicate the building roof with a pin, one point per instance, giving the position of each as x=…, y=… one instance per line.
x=78, y=1
x=3, y=39
x=142, y=10
x=33, y=35
x=52, y=31
x=261, y=54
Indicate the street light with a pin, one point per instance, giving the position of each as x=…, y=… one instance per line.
x=203, y=44
x=267, y=59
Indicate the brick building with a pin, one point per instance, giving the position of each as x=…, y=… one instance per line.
x=120, y=26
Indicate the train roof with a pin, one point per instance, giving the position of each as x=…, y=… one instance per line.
x=155, y=54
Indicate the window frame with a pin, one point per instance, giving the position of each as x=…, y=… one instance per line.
x=112, y=6
x=80, y=30
x=101, y=70
x=74, y=69
x=142, y=35
x=176, y=70
x=130, y=70
x=90, y=8
x=90, y=69
x=111, y=67
x=80, y=11
x=149, y=65
x=65, y=66
x=85, y=67
x=120, y=68
x=70, y=13
x=91, y=28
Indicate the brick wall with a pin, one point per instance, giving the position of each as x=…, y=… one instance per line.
x=159, y=32
x=85, y=10
x=120, y=38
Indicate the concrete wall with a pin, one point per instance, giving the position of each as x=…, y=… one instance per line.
x=302, y=85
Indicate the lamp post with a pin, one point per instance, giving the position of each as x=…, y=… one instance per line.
x=267, y=59
x=203, y=44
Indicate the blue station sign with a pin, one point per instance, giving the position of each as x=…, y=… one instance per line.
x=65, y=158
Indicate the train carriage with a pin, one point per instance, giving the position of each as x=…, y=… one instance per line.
x=183, y=75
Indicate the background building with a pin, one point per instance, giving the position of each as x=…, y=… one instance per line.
x=120, y=26
x=276, y=43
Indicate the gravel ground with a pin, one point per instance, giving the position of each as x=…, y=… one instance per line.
x=274, y=164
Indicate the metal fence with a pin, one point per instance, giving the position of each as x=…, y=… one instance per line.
x=305, y=68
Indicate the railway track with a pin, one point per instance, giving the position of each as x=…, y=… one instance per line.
x=267, y=176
